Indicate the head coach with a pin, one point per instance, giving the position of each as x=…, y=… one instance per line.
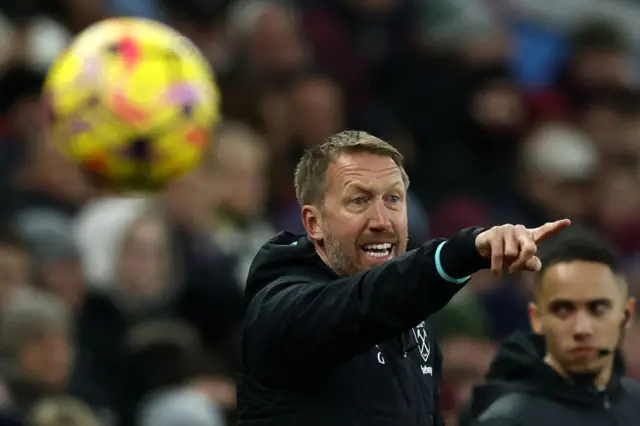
x=335, y=331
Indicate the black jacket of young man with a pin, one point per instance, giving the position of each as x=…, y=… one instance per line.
x=522, y=390
x=322, y=350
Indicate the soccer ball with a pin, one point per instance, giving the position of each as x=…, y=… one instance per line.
x=132, y=102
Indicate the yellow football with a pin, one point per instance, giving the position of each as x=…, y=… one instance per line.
x=132, y=102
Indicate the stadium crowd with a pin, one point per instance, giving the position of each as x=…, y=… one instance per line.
x=124, y=311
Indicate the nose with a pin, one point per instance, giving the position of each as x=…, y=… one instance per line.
x=379, y=219
x=583, y=326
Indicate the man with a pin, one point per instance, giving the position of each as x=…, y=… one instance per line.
x=35, y=342
x=335, y=329
x=569, y=373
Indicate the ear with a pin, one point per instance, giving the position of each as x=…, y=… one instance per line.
x=630, y=311
x=312, y=222
x=534, y=318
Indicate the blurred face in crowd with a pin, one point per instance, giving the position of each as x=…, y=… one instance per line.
x=49, y=172
x=274, y=43
x=620, y=196
x=465, y=363
x=241, y=168
x=274, y=112
x=580, y=308
x=190, y=199
x=570, y=198
x=316, y=109
x=208, y=38
x=142, y=269
x=603, y=125
x=65, y=279
x=601, y=68
x=22, y=117
x=630, y=137
x=363, y=220
x=619, y=207
x=498, y=106
x=485, y=48
x=45, y=360
x=15, y=270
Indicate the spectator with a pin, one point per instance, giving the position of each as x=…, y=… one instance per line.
x=599, y=58
x=558, y=168
x=56, y=258
x=266, y=37
x=201, y=21
x=35, y=338
x=241, y=166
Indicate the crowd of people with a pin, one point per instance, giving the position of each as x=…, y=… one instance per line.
x=125, y=311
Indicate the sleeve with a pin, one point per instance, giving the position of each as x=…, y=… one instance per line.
x=294, y=326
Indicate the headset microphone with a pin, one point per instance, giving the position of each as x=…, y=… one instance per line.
x=603, y=352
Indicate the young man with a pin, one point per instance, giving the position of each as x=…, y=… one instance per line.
x=569, y=372
x=335, y=330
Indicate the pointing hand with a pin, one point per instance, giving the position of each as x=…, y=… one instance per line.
x=515, y=246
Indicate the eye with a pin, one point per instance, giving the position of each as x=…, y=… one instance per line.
x=395, y=198
x=561, y=309
x=599, y=308
x=359, y=200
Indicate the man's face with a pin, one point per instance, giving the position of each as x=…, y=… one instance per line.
x=241, y=176
x=580, y=309
x=65, y=279
x=316, y=110
x=601, y=68
x=46, y=360
x=274, y=43
x=142, y=265
x=363, y=221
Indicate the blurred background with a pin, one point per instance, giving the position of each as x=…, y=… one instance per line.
x=125, y=311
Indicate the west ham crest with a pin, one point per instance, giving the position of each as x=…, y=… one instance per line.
x=424, y=347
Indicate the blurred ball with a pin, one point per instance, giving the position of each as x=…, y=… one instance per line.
x=133, y=103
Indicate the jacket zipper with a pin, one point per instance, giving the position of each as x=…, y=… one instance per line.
x=606, y=404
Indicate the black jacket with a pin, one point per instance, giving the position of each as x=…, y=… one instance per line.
x=521, y=390
x=318, y=349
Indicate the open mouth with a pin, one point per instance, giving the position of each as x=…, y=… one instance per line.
x=379, y=250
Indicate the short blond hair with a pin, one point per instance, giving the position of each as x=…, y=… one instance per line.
x=311, y=170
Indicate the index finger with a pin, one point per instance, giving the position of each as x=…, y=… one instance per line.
x=549, y=229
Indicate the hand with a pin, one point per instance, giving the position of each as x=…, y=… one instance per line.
x=515, y=245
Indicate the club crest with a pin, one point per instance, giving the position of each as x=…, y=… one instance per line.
x=424, y=347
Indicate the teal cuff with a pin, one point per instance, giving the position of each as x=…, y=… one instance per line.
x=441, y=271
